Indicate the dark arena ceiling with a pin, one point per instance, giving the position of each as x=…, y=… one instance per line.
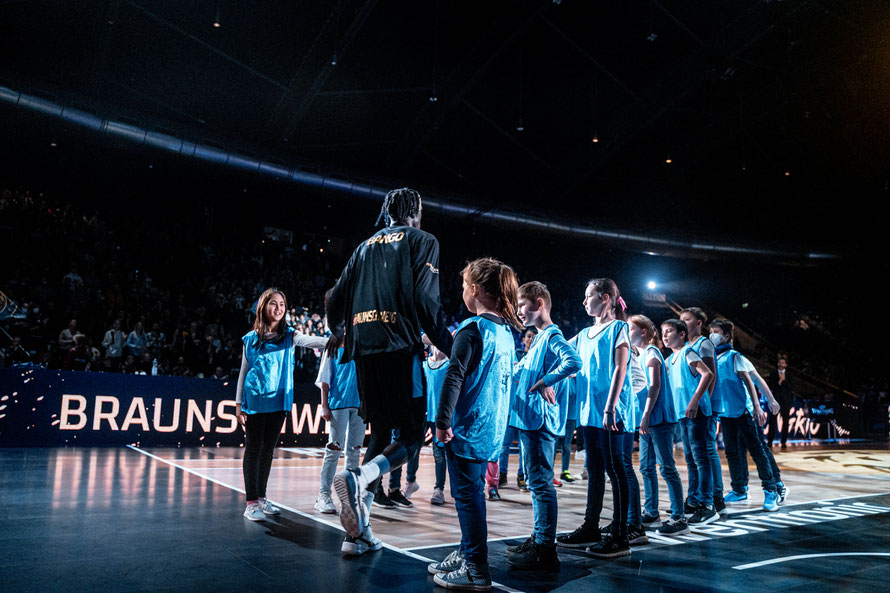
x=749, y=121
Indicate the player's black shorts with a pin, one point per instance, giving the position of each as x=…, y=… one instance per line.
x=392, y=388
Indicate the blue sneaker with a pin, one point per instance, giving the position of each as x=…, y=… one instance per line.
x=770, y=501
x=736, y=498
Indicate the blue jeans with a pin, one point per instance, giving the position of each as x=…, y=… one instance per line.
x=716, y=468
x=658, y=447
x=511, y=435
x=565, y=444
x=468, y=492
x=740, y=436
x=538, y=447
x=605, y=456
x=698, y=462
x=633, y=485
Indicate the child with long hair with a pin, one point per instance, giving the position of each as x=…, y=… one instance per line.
x=265, y=393
x=608, y=418
x=657, y=425
x=472, y=414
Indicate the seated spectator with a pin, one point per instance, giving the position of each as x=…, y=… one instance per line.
x=129, y=366
x=78, y=358
x=66, y=337
x=16, y=353
x=220, y=374
x=144, y=364
x=155, y=340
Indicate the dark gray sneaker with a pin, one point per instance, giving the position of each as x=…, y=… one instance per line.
x=521, y=548
x=583, y=537
x=703, y=516
x=636, y=535
x=534, y=556
x=673, y=527
x=452, y=562
x=397, y=497
x=468, y=578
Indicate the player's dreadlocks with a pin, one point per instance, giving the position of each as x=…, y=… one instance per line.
x=399, y=204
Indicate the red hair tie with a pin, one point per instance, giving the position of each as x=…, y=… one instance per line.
x=622, y=303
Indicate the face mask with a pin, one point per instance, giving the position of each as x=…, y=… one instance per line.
x=717, y=339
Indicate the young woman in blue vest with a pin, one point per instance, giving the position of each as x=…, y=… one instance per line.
x=657, y=424
x=472, y=415
x=538, y=409
x=689, y=379
x=741, y=407
x=265, y=393
x=346, y=429
x=608, y=418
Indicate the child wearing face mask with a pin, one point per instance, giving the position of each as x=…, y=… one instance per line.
x=741, y=406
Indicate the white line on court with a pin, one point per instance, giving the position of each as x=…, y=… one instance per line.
x=336, y=526
x=806, y=556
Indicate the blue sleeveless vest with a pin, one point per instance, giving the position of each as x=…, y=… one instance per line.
x=269, y=382
x=731, y=388
x=343, y=392
x=480, y=415
x=435, y=377
x=664, y=410
x=529, y=411
x=716, y=401
x=683, y=384
x=595, y=378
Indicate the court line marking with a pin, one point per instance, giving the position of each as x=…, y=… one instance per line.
x=336, y=526
x=806, y=556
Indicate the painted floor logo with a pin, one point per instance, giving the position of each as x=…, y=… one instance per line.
x=745, y=524
x=853, y=461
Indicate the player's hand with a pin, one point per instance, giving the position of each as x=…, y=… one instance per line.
x=609, y=421
x=692, y=410
x=774, y=407
x=444, y=436
x=326, y=413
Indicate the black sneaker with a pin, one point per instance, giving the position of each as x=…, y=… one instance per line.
x=606, y=529
x=673, y=527
x=609, y=548
x=703, y=516
x=650, y=521
x=520, y=483
x=383, y=501
x=535, y=557
x=521, y=548
x=493, y=494
x=636, y=536
x=586, y=535
x=502, y=479
x=398, y=498
x=719, y=505
x=689, y=509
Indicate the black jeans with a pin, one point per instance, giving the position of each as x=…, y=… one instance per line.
x=784, y=411
x=605, y=455
x=408, y=443
x=744, y=430
x=263, y=430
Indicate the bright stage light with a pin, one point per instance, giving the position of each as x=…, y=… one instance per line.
x=651, y=285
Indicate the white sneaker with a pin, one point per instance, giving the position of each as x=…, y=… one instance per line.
x=579, y=455
x=366, y=542
x=324, y=504
x=411, y=488
x=254, y=512
x=438, y=497
x=268, y=508
x=349, y=486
